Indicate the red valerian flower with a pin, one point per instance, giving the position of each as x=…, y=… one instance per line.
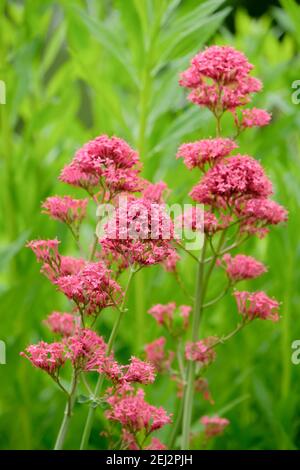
x=63, y=324
x=105, y=162
x=255, y=118
x=220, y=80
x=92, y=289
x=86, y=350
x=256, y=214
x=155, y=192
x=46, y=356
x=213, y=425
x=139, y=371
x=135, y=414
x=222, y=64
x=242, y=267
x=257, y=305
x=156, y=354
x=201, y=351
x=139, y=233
x=66, y=209
x=237, y=177
x=206, y=151
x=155, y=444
x=198, y=220
x=169, y=313
x=45, y=250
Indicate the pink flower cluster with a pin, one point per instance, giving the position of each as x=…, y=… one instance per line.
x=45, y=356
x=135, y=414
x=166, y=314
x=106, y=163
x=92, y=289
x=155, y=192
x=66, y=209
x=201, y=351
x=46, y=251
x=257, y=305
x=86, y=350
x=206, y=151
x=63, y=324
x=197, y=219
x=156, y=354
x=219, y=79
x=139, y=233
x=213, y=425
x=256, y=214
x=255, y=118
x=240, y=176
x=242, y=267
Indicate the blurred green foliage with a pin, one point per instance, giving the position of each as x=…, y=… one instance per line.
x=74, y=70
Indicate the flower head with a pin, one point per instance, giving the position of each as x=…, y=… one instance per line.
x=139, y=371
x=139, y=232
x=155, y=192
x=86, y=350
x=257, y=305
x=156, y=354
x=238, y=177
x=46, y=356
x=255, y=117
x=198, y=220
x=66, y=209
x=92, y=289
x=63, y=324
x=105, y=162
x=242, y=267
x=45, y=250
x=155, y=444
x=135, y=414
x=260, y=212
x=207, y=151
x=171, y=316
x=219, y=79
x=214, y=425
x=163, y=314
x=201, y=351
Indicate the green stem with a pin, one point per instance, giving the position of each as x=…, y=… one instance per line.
x=91, y=414
x=189, y=392
x=67, y=414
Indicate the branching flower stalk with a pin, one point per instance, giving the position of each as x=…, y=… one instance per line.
x=219, y=79
x=232, y=203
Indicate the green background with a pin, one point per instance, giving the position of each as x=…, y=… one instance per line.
x=74, y=70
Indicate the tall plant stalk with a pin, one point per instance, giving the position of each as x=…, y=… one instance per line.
x=91, y=414
x=67, y=415
x=189, y=393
